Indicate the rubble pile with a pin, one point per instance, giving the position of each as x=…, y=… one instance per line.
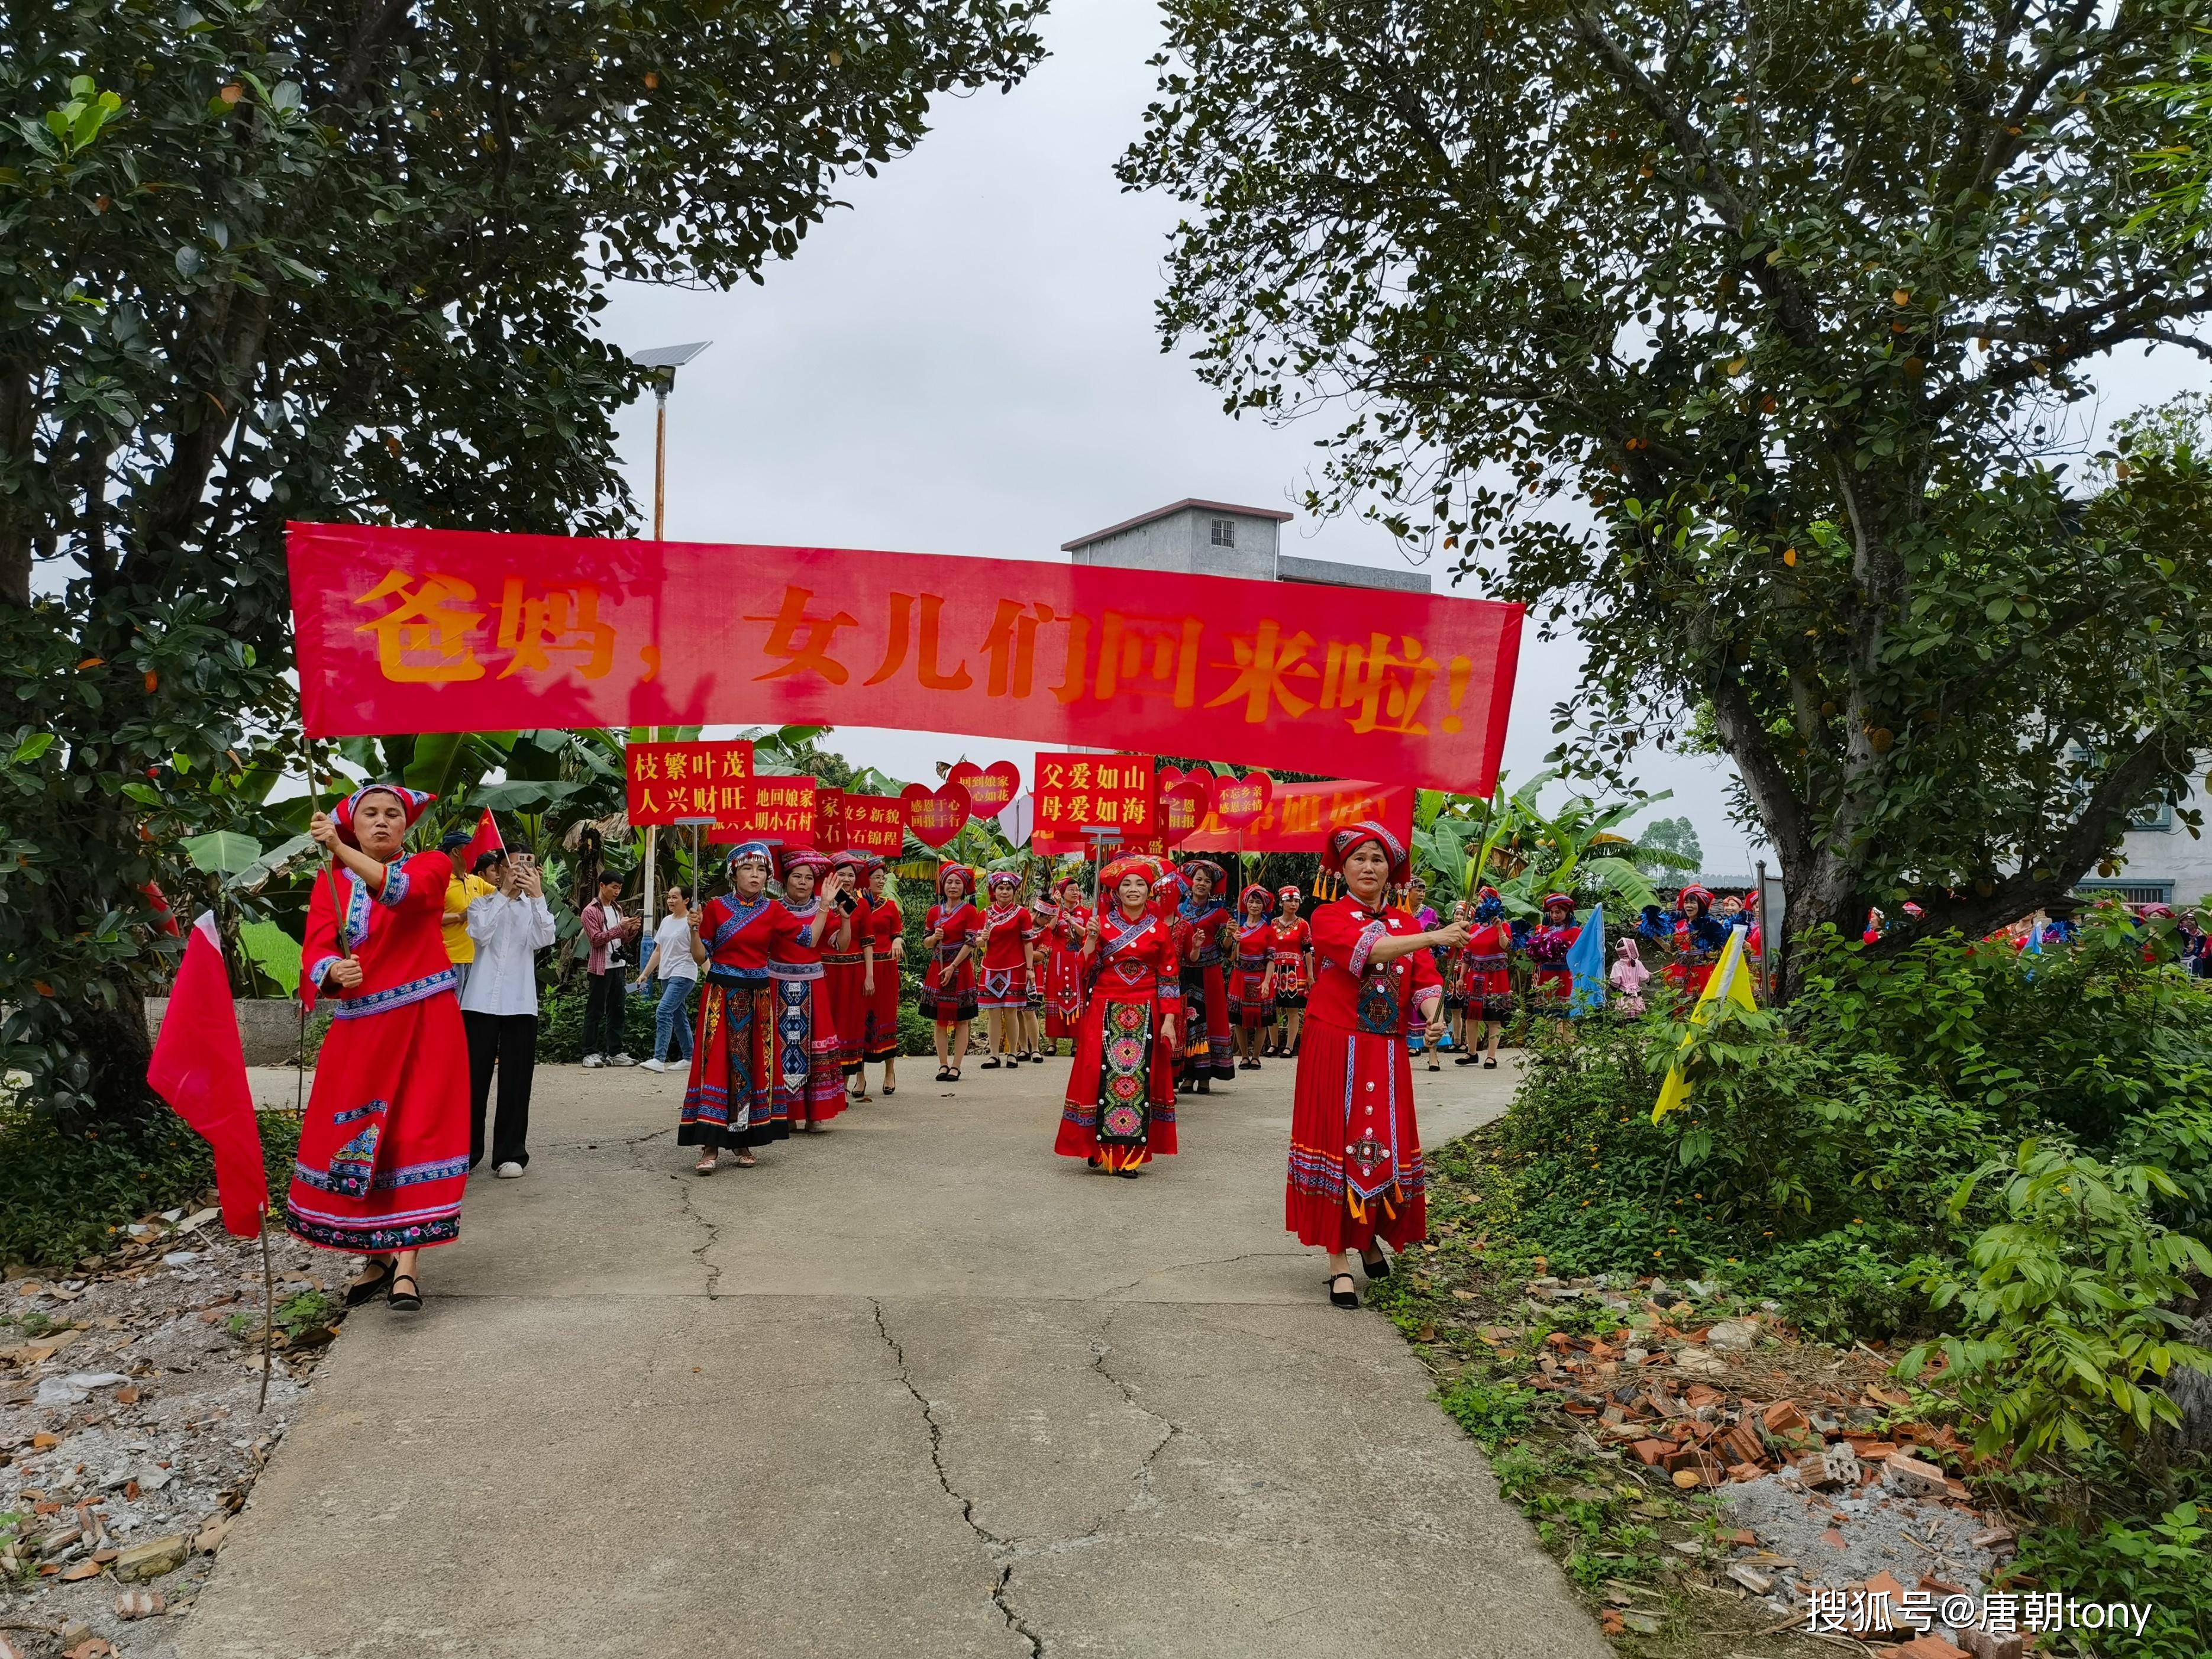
x=129, y=1435
x=1827, y=1500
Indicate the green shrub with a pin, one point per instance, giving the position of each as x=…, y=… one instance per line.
x=2159, y=1561
x=2066, y=1323
x=63, y=1196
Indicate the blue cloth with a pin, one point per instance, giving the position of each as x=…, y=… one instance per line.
x=672, y=1016
x=1586, y=961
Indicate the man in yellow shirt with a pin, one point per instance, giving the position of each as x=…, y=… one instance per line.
x=462, y=892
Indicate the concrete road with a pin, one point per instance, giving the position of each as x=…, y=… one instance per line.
x=915, y=1387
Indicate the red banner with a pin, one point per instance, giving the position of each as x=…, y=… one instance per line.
x=829, y=817
x=697, y=780
x=875, y=824
x=780, y=811
x=427, y=631
x=1299, y=816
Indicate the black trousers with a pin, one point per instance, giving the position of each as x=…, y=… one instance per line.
x=602, y=1012
x=508, y=1044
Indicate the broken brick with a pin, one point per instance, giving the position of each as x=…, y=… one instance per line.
x=1782, y=1417
x=1651, y=1453
x=1914, y=1477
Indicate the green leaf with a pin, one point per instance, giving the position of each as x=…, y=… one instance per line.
x=223, y=852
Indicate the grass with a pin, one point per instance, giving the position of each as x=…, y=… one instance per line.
x=65, y=1196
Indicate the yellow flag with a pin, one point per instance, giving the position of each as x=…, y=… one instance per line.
x=1731, y=982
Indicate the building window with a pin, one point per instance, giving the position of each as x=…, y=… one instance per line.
x=2159, y=815
x=2133, y=892
x=1223, y=533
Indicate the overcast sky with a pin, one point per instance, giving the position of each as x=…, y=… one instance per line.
x=964, y=361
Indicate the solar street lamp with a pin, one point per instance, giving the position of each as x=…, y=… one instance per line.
x=664, y=362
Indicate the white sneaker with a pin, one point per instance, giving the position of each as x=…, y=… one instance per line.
x=620, y=1060
x=652, y=1066
x=594, y=1060
x=509, y=1171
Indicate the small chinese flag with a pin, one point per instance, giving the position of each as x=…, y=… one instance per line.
x=199, y=1068
x=486, y=840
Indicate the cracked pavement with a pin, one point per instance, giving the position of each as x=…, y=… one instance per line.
x=913, y=1387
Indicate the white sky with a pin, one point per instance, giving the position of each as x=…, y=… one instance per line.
x=965, y=362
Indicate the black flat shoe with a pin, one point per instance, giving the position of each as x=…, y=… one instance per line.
x=1346, y=1297
x=1248, y=1064
x=1130, y=1174
x=368, y=1289
x=945, y=1074
x=1489, y=1065
x=406, y=1301
x=889, y=1089
x=1037, y=1060
x=1465, y=1059
x=1377, y=1266
x=1205, y=1085
x=990, y=1065
x=1094, y=1160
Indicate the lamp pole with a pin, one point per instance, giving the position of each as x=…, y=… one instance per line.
x=663, y=362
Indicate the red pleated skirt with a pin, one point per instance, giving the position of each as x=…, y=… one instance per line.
x=384, y=1153
x=879, y=1028
x=843, y=980
x=1143, y=1069
x=1356, y=1172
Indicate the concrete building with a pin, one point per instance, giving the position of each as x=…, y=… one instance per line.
x=2163, y=863
x=1216, y=538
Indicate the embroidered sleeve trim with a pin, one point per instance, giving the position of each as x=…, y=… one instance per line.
x=395, y=886
x=320, y=966
x=1364, y=947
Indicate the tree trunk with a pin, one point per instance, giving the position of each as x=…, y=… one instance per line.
x=115, y=1044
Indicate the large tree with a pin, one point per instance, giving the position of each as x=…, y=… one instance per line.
x=272, y=259
x=1754, y=342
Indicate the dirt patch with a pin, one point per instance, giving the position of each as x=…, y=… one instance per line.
x=129, y=1433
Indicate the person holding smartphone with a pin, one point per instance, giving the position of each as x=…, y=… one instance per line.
x=509, y=926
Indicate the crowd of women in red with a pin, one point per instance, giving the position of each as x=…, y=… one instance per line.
x=1165, y=986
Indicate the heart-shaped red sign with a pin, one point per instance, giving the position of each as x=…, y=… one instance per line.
x=991, y=789
x=1183, y=809
x=935, y=815
x=1239, y=802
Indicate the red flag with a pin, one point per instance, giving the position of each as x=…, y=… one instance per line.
x=199, y=1068
x=486, y=840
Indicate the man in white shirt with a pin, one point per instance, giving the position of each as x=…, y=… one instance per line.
x=499, y=1007
x=672, y=955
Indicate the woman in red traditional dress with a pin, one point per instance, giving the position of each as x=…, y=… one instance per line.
x=1121, y=1091
x=879, y=1036
x=1002, y=988
x=1551, y=982
x=384, y=1152
x=810, y=1085
x=1251, y=987
x=1292, y=972
x=1356, y=1174
x=1486, y=969
x=1209, y=931
x=948, y=989
x=729, y=1099
x=847, y=965
x=1063, y=962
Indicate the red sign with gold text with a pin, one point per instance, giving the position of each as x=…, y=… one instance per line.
x=779, y=810
x=697, y=780
x=875, y=824
x=429, y=631
x=829, y=817
x=1298, y=817
x=1074, y=791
